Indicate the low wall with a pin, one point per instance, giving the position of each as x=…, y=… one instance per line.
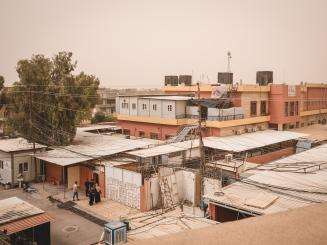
x=124, y=193
x=271, y=156
x=123, y=186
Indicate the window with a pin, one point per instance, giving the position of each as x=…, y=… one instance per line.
x=126, y=132
x=25, y=165
x=286, y=109
x=144, y=106
x=253, y=108
x=1, y=164
x=154, y=107
x=154, y=136
x=296, y=108
x=292, y=108
x=20, y=168
x=124, y=104
x=263, y=108
x=133, y=106
x=141, y=134
x=170, y=108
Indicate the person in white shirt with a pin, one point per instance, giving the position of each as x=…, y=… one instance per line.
x=75, y=190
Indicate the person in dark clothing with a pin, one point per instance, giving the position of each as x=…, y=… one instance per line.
x=91, y=183
x=91, y=196
x=87, y=187
x=97, y=196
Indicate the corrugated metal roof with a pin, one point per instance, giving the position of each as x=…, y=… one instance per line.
x=101, y=147
x=17, y=144
x=14, y=208
x=165, y=149
x=293, y=189
x=235, y=143
x=26, y=223
x=172, y=97
x=244, y=142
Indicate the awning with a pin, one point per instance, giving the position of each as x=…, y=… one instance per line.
x=26, y=223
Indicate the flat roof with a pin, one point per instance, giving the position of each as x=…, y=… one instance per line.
x=103, y=147
x=167, y=97
x=248, y=141
x=316, y=131
x=165, y=149
x=301, y=226
x=235, y=143
x=17, y=144
x=98, y=127
x=280, y=185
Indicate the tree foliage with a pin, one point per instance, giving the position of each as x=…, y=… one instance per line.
x=48, y=101
x=2, y=96
x=100, y=117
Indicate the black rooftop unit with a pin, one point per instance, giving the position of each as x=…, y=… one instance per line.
x=265, y=77
x=185, y=79
x=225, y=77
x=171, y=80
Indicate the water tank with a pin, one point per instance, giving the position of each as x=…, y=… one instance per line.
x=225, y=77
x=264, y=77
x=171, y=80
x=185, y=79
x=115, y=233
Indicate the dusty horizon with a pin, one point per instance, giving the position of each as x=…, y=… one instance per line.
x=134, y=44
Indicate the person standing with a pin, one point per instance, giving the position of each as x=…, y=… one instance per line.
x=75, y=191
x=91, y=196
x=87, y=187
x=97, y=193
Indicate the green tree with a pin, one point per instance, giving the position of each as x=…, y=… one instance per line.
x=2, y=97
x=49, y=100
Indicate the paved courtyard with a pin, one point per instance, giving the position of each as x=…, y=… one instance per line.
x=67, y=227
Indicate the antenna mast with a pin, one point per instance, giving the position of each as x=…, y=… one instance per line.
x=229, y=61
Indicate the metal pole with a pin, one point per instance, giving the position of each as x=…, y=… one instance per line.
x=201, y=146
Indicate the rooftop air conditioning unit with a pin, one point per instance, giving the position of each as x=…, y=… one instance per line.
x=115, y=233
x=228, y=158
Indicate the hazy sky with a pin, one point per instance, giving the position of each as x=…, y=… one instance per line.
x=134, y=43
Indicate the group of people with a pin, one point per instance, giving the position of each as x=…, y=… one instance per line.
x=92, y=191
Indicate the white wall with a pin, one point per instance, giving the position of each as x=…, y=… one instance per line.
x=225, y=112
x=124, y=111
x=211, y=186
x=186, y=185
x=185, y=182
x=165, y=112
x=133, y=100
x=5, y=173
x=192, y=110
x=141, y=111
x=180, y=108
x=118, y=105
x=123, y=186
x=157, y=112
x=21, y=158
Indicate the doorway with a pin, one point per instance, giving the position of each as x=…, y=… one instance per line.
x=96, y=178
